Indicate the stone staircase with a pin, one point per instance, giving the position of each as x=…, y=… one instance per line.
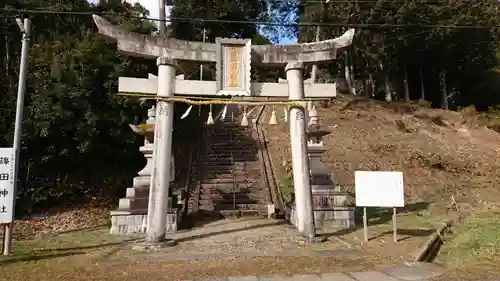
x=230, y=172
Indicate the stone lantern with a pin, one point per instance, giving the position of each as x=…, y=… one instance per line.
x=146, y=130
x=331, y=206
x=131, y=215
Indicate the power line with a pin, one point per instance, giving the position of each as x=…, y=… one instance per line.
x=262, y=23
x=365, y=1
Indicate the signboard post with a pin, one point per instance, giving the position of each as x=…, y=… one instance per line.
x=379, y=189
x=23, y=72
x=6, y=187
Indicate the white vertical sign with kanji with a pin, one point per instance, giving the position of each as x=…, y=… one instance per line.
x=6, y=185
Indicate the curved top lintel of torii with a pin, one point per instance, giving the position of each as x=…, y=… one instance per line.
x=148, y=46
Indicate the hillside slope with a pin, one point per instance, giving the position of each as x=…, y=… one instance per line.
x=446, y=156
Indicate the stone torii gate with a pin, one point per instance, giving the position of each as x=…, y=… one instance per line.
x=233, y=58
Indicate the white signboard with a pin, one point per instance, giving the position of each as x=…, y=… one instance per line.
x=6, y=185
x=379, y=189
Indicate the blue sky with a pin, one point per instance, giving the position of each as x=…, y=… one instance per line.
x=152, y=6
x=288, y=40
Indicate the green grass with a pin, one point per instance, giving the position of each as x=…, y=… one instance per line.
x=476, y=240
x=286, y=187
x=44, y=249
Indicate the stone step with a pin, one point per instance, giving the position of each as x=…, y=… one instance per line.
x=228, y=136
x=217, y=170
x=223, y=191
x=221, y=141
x=223, y=161
x=230, y=186
x=229, y=151
x=133, y=203
x=210, y=172
x=230, y=128
x=250, y=156
x=229, y=175
x=230, y=213
x=228, y=158
x=136, y=192
x=230, y=140
x=228, y=164
x=233, y=148
x=229, y=207
x=231, y=143
x=236, y=180
x=228, y=124
x=234, y=158
x=229, y=202
x=238, y=157
x=229, y=196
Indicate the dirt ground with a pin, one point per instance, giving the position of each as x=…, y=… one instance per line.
x=449, y=160
x=251, y=246
x=443, y=154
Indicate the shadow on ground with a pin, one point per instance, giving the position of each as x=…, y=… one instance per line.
x=86, y=229
x=380, y=216
x=89, y=247
x=210, y=234
x=35, y=257
x=407, y=233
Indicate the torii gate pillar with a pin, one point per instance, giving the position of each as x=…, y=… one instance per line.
x=162, y=153
x=300, y=160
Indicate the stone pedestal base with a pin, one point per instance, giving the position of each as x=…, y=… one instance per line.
x=128, y=222
x=316, y=240
x=145, y=246
x=338, y=217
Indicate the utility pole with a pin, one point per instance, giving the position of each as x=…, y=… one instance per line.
x=314, y=69
x=23, y=71
x=201, y=65
x=163, y=23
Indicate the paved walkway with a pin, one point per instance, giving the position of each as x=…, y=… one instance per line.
x=354, y=276
x=407, y=271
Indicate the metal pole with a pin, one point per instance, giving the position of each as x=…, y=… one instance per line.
x=23, y=71
x=201, y=65
x=163, y=23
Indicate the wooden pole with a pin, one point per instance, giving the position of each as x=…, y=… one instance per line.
x=365, y=224
x=3, y=236
x=394, y=227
